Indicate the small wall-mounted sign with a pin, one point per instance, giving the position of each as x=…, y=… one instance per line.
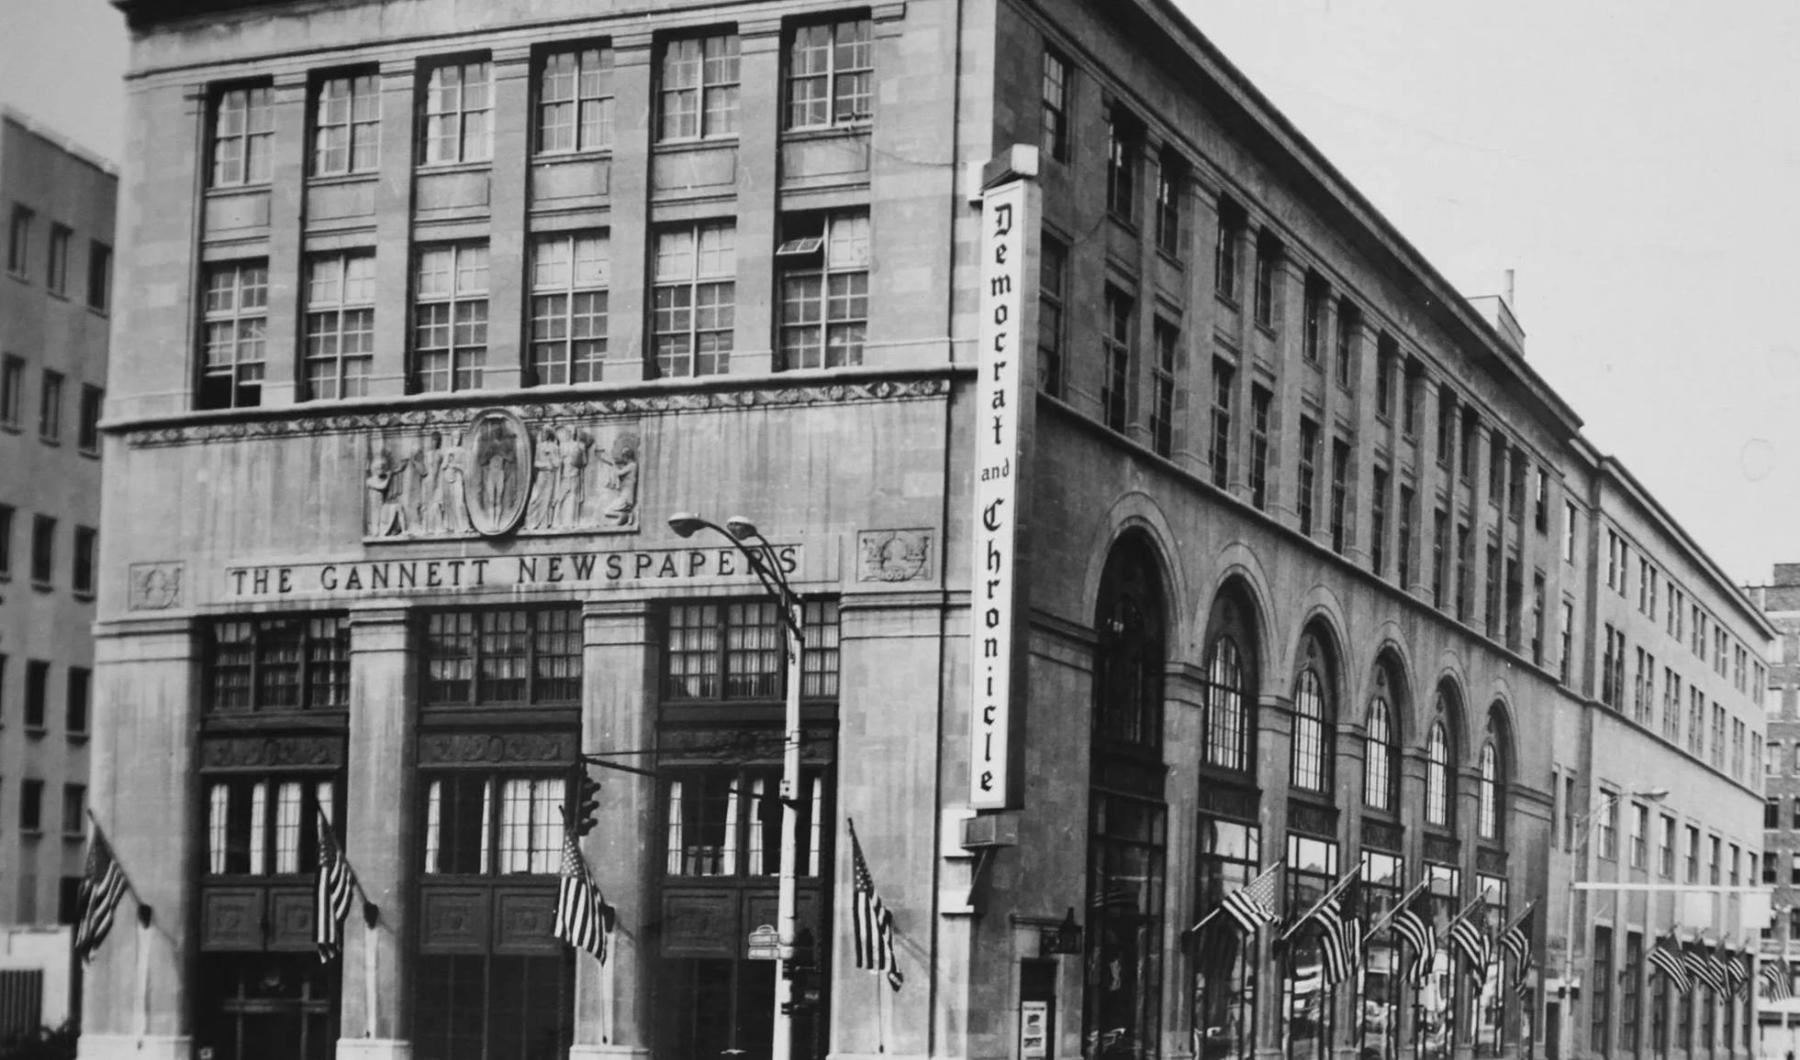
x=765, y=943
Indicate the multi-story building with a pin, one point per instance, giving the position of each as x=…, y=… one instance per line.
x=1162, y=516
x=1780, y=599
x=57, y=203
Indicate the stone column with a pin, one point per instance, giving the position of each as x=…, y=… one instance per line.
x=612, y=1001
x=758, y=179
x=145, y=769
x=379, y=837
x=633, y=129
x=508, y=264
x=393, y=229
x=1274, y=751
x=287, y=276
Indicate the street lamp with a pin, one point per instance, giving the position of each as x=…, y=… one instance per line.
x=1584, y=826
x=766, y=565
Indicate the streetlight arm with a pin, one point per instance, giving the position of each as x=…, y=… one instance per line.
x=763, y=563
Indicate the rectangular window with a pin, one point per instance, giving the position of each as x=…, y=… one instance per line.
x=1124, y=158
x=1665, y=848
x=1412, y=389
x=733, y=651
x=31, y=806
x=1342, y=530
x=694, y=300
x=6, y=535
x=450, y=317
x=831, y=75
x=243, y=135
x=234, y=319
x=458, y=110
x=82, y=575
x=346, y=124
x=1540, y=507
x=1268, y=256
x=1225, y=250
x=1671, y=725
x=728, y=822
x=1384, y=376
x=1115, y=381
x=1053, y=268
x=1446, y=425
x=12, y=391
x=575, y=101
x=1466, y=447
x=1608, y=825
x=339, y=328
x=1171, y=181
x=698, y=88
x=75, y=716
x=1491, y=605
x=258, y=827
x=482, y=824
x=1464, y=576
x=824, y=262
x=1409, y=518
x=1497, y=449
x=1218, y=452
x=56, y=271
x=1163, y=374
x=1631, y=996
x=1600, y=1012
x=1312, y=345
x=1693, y=854
x=43, y=548
x=50, y=407
x=1349, y=321
x=278, y=663
x=1537, y=618
x=1565, y=652
x=1305, y=484
x=515, y=656
x=1639, y=836
x=570, y=273
x=1712, y=860
x=74, y=809
x=1440, y=544
x=1570, y=816
x=99, y=276
x=1054, y=138
x=1260, y=400
x=88, y=430
x=1717, y=749
x=1696, y=722
x=18, y=240
x=37, y=693
x=1378, y=486
x=1568, y=531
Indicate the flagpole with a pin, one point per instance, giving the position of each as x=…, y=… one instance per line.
x=371, y=968
x=1336, y=889
x=1388, y=917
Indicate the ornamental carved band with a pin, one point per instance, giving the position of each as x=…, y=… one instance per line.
x=495, y=475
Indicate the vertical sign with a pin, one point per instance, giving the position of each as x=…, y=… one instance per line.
x=1000, y=341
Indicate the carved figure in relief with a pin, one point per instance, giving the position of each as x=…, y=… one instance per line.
x=544, y=460
x=428, y=466
x=618, y=504
x=571, y=450
x=451, y=501
x=386, y=517
x=497, y=466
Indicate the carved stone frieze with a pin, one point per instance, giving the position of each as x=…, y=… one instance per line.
x=266, y=752
x=464, y=748
x=155, y=586
x=893, y=555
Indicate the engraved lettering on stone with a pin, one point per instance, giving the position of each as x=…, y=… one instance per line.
x=893, y=555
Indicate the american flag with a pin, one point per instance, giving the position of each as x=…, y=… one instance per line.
x=332, y=888
x=1471, y=940
x=1737, y=972
x=1253, y=904
x=873, y=924
x=1516, y=941
x=103, y=883
x=1777, y=980
x=1699, y=967
x=1522, y=980
x=1422, y=937
x=1340, y=939
x=583, y=919
x=1665, y=958
x=1722, y=968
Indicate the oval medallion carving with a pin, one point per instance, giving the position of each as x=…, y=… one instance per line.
x=496, y=478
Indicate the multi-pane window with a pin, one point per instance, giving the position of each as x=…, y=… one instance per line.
x=1717, y=749
x=1053, y=271
x=1565, y=653
x=570, y=273
x=575, y=101
x=87, y=434
x=234, y=319
x=1378, y=757
x=1268, y=257
x=243, y=135
x=1312, y=735
x=50, y=406
x=1124, y=157
x=694, y=299
x=278, y=663
x=263, y=827
x=450, y=317
x=1338, y=516
x=1115, y=379
x=12, y=390
x=1693, y=854
x=1227, y=737
x=1665, y=847
x=830, y=75
x=1163, y=373
x=503, y=656
x=81, y=579
x=56, y=267
x=735, y=651
x=1671, y=725
x=1260, y=401
x=339, y=328
x=99, y=277
x=1171, y=178
x=18, y=240
x=1349, y=320
x=1304, y=482
x=75, y=713
x=1225, y=250
x=1638, y=835
x=698, y=88
x=1608, y=825
x=482, y=824
x=459, y=103
x=824, y=260
x=1218, y=452
x=728, y=823
x=43, y=548
x=1054, y=138
x=1437, y=776
x=346, y=124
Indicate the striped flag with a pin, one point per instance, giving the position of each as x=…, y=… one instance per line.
x=1722, y=970
x=1777, y=980
x=331, y=891
x=103, y=883
x=1253, y=904
x=1330, y=918
x=1665, y=959
x=874, y=925
x=1698, y=967
x=1737, y=972
x=583, y=919
x=1472, y=942
x=1522, y=980
x=1422, y=937
x=1516, y=941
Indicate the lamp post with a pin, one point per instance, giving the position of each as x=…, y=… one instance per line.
x=1585, y=827
x=766, y=565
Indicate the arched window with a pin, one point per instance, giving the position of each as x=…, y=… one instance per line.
x=1309, y=764
x=1378, y=756
x=1227, y=744
x=1128, y=684
x=1437, y=775
x=1487, y=818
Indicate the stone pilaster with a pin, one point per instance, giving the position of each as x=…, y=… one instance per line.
x=508, y=252
x=393, y=229
x=633, y=117
x=758, y=180
x=287, y=187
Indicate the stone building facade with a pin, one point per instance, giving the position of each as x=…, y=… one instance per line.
x=56, y=202
x=1050, y=358
x=1780, y=600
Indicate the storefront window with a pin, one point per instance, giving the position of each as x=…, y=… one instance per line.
x=1223, y=1001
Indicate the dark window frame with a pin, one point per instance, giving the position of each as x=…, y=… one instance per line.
x=304, y=644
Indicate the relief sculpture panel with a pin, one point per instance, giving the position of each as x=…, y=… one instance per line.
x=497, y=474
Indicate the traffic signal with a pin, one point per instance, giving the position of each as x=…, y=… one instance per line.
x=587, y=801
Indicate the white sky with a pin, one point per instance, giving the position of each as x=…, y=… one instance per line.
x=1633, y=162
